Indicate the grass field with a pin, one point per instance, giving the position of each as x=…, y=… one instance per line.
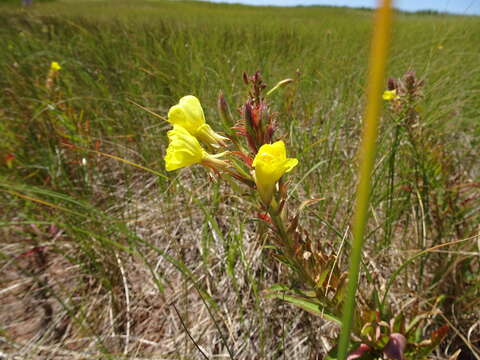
x=100, y=258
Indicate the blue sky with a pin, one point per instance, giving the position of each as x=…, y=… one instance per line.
x=453, y=6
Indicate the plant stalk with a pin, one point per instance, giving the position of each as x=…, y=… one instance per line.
x=378, y=57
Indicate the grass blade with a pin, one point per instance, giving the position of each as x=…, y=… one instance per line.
x=378, y=57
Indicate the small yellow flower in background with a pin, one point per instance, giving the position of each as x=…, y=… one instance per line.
x=390, y=95
x=188, y=113
x=52, y=74
x=185, y=150
x=440, y=47
x=270, y=164
x=55, y=66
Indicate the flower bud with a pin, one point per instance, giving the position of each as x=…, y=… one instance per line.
x=223, y=109
x=409, y=80
x=245, y=78
x=249, y=117
x=269, y=132
x=392, y=84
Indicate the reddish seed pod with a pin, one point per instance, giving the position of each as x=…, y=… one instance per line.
x=392, y=84
x=245, y=78
x=248, y=115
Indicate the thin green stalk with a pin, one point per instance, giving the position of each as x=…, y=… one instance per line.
x=378, y=57
x=423, y=195
x=391, y=186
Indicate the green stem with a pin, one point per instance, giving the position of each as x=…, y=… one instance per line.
x=423, y=194
x=378, y=57
x=288, y=245
x=391, y=185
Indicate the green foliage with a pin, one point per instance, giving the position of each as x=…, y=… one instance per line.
x=74, y=145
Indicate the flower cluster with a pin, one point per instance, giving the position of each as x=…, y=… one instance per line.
x=189, y=127
x=261, y=167
x=403, y=95
x=251, y=154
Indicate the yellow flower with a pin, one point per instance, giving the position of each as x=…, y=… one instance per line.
x=390, y=95
x=188, y=113
x=55, y=66
x=270, y=164
x=185, y=150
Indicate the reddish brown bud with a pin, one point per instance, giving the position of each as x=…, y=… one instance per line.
x=252, y=144
x=223, y=109
x=257, y=78
x=245, y=78
x=409, y=80
x=269, y=133
x=263, y=115
x=392, y=84
x=248, y=116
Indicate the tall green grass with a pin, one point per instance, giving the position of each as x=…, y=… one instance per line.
x=123, y=226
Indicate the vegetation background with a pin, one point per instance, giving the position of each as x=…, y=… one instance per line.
x=100, y=258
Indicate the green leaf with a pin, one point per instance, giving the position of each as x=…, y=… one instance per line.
x=310, y=305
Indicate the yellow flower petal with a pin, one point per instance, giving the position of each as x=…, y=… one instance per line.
x=290, y=164
x=55, y=66
x=183, y=149
x=270, y=164
x=389, y=95
x=188, y=113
